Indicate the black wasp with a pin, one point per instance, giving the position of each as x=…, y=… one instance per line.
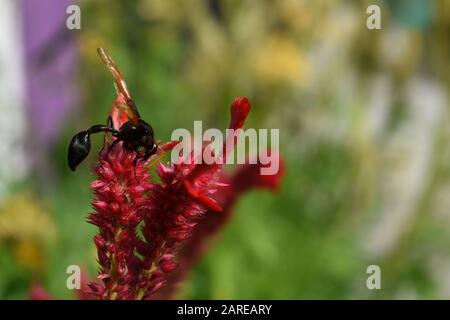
x=136, y=134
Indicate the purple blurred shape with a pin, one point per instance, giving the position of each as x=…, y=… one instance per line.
x=50, y=62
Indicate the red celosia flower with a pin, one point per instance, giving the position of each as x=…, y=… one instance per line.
x=120, y=191
x=133, y=267
x=37, y=292
x=242, y=180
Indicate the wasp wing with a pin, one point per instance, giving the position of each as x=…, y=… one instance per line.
x=128, y=106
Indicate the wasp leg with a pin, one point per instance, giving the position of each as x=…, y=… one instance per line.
x=101, y=128
x=110, y=122
x=150, y=152
x=134, y=165
x=147, y=155
x=112, y=145
x=109, y=128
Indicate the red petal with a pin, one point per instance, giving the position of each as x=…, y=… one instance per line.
x=200, y=198
x=240, y=108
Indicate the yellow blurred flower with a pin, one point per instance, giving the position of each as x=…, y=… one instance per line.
x=26, y=227
x=29, y=254
x=280, y=59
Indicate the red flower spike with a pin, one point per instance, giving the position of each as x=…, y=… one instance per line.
x=134, y=267
x=177, y=204
x=244, y=179
x=120, y=191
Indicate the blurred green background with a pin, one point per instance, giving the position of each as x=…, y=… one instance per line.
x=363, y=118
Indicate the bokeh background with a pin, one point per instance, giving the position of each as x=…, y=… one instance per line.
x=364, y=131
